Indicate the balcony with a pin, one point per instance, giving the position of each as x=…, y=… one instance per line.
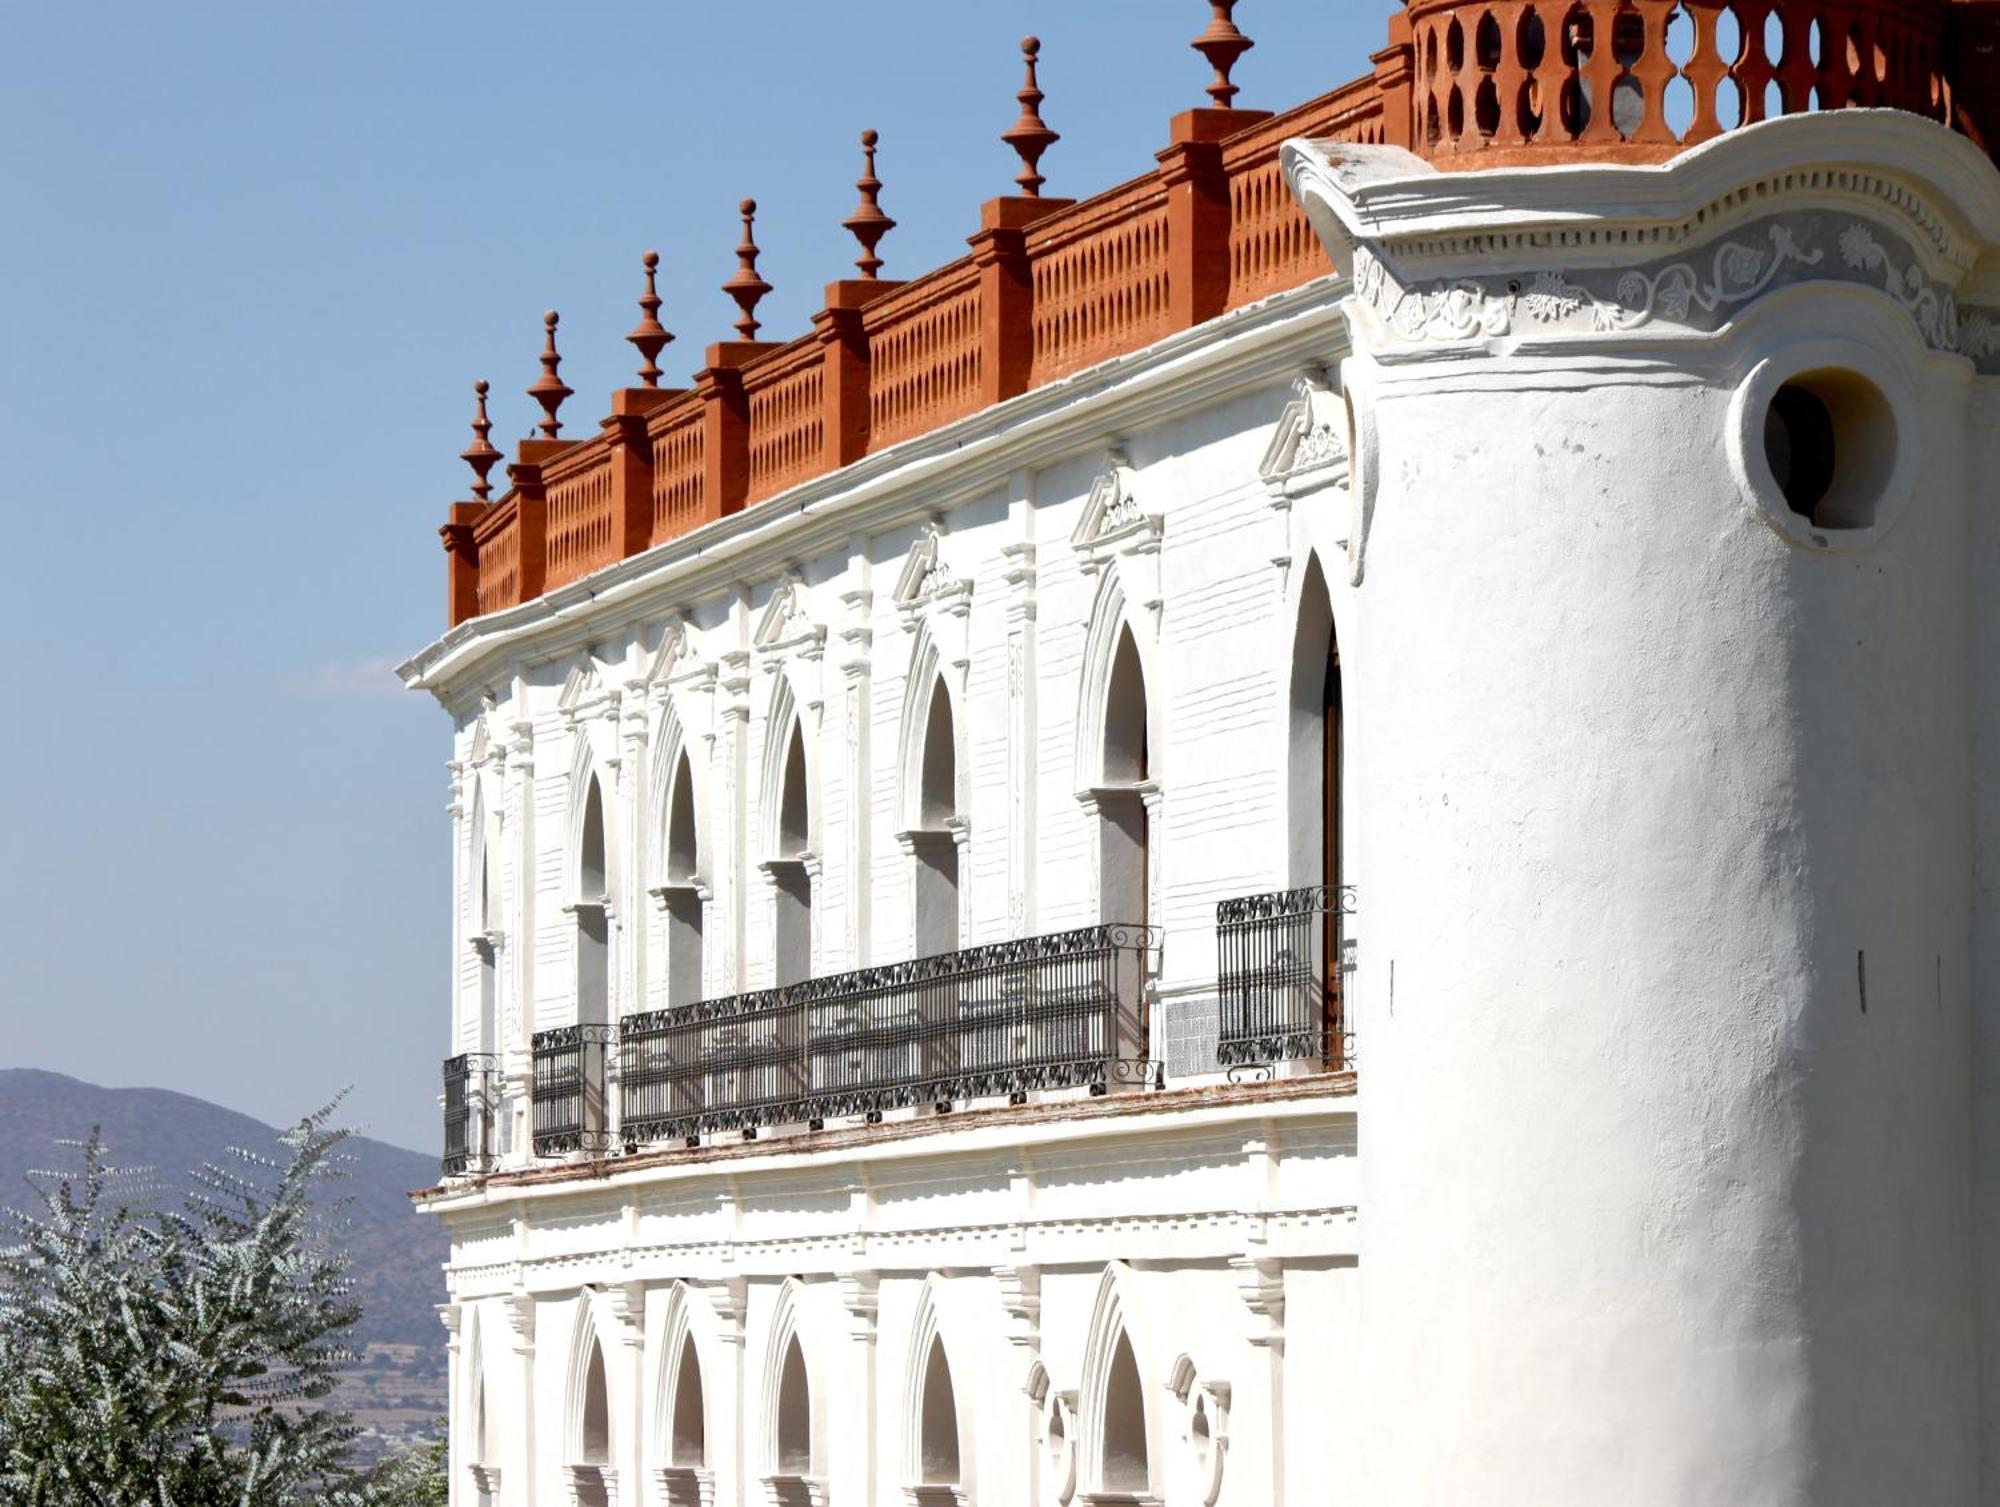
x=1069, y=1011
x=469, y=1083
x=569, y=1088
x=1052, y=1012
x=1280, y=960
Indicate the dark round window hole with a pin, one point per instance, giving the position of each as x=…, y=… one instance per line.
x=1799, y=444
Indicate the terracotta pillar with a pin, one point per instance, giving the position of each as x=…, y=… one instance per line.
x=531, y=502
x=461, y=563
x=1198, y=212
x=844, y=339
x=1007, y=293
x=1394, y=71
x=632, y=467
x=725, y=418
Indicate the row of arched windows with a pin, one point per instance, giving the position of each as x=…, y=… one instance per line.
x=1118, y=800
x=790, y=1425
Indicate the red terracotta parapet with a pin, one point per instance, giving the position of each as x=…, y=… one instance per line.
x=1526, y=81
x=1054, y=286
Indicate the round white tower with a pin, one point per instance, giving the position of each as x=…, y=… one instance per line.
x=1660, y=667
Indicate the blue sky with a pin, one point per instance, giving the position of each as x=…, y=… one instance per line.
x=253, y=256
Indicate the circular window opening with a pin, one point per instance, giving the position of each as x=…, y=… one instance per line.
x=1830, y=440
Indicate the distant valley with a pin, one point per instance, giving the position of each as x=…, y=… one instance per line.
x=398, y=1389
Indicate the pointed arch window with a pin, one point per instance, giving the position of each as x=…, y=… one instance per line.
x=1127, y=1465
x=934, y=841
x=795, y=1430
x=681, y=896
x=1316, y=757
x=938, y=1456
x=593, y=903
x=481, y=1468
x=591, y=1477
x=1124, y=823
x=686, y=1478
x=790, y=871
x=486, y=953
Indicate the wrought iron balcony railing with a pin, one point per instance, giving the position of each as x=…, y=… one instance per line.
x=1280, y=959
x=569, y=1085
x=1061, y=1011
x=469, y=1082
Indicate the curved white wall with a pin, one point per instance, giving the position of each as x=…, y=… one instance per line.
x=1654, y=1212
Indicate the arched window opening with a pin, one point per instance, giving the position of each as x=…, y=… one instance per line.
x=934, y=842
x=593, y=972
x=1315, y=761
x=938, y=1422
x=795, y=1441
x=593, y=1442
x=481, y=1464
x=1126, y=1467
x=681, y=896
x=485, y=950
x=1124, y=839
x=482, y=1440
x=791, y=879
x=688, y=1446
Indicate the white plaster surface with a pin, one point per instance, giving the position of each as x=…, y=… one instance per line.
x=1645, y=782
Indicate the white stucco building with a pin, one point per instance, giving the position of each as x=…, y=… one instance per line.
x=1316, y=831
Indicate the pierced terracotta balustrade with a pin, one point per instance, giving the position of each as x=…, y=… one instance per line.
x=1053, y=286
x=1530, y=81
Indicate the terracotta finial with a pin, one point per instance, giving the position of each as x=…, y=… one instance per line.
x=548, y=389
x=1222, y=44
x=1030, y=136
x=482, y=455
x=868, y=224
x=649, y=335
x=746, y=286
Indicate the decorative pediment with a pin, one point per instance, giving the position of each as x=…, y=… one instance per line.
x=676, y=658
x=927, y=579
x=1309, y=447
x=1113, y=520
x=482, y=743
x=785, y=625
x=584, y=693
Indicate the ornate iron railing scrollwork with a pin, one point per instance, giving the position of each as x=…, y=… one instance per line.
x=570, y=1088
x=471, y=1080
x=1006, y=1019
x=1279, y=961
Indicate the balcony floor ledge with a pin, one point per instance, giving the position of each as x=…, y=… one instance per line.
x=861, y=1137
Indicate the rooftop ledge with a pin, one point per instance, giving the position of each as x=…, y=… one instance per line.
x=970, y=1131
x=1054, y=287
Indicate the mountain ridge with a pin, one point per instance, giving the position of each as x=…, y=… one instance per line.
x=398, y=1254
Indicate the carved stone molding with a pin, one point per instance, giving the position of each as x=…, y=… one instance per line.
x=730, y=1298
x=1113, y=521
x=1308, y=449
x=1260, y=1281
x=519, y=1311
x=685, y=1486
x=625, y=1305
x=928, y=581
x=588, y=1483
x=786, y=627
x=1021, y=1297
x=794, y=1491
x=861, y=1296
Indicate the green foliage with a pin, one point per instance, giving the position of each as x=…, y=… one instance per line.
x=186, y=1356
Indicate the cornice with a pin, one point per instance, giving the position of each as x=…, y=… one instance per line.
x=1605, y=215
x=907, y=482
x=1519, y=258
